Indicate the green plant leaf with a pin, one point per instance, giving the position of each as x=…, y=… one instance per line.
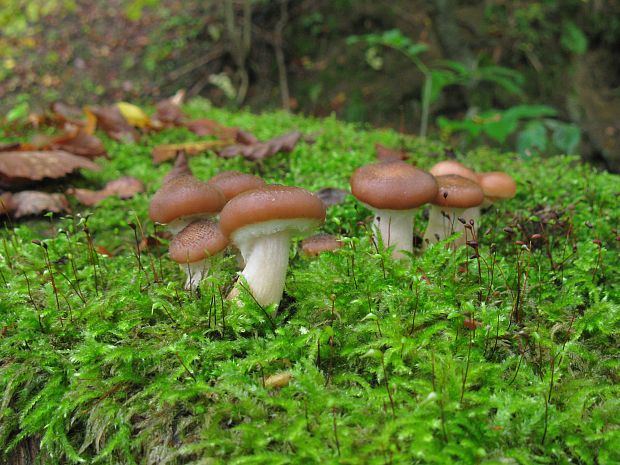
x=532, y=138
x=573, y=39
x=566, y=137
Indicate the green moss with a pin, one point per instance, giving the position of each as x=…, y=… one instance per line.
x=129, y=369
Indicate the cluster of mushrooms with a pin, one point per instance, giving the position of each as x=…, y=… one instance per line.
x=259, y=219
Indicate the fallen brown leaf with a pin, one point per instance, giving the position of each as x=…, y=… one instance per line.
x=207, y=127
x=114, y=124
x=124, y=188
x=168, y=113
x=79, y=143
x=68, y=113
x=180, y=168
x=101, y=250
x=153, y=241
x=386, y=153
x=261, y=150
x=331, y=195
x=18, y=168
x=34, y=203
x=6, y=203
x=5, y=147
x=166, y=152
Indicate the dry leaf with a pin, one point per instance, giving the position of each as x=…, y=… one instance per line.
x=22, y=167
x=79, y=143
x=168, y=112
x=68, y=113
x=124, y=188
x=34, y=203
x=331, y=195
x=133, y=114
x=5, y=147
x=386, y=153
x=6, y=203
x=114, y=123
x=261, y=150
x=165, y=152
x=153, y=241
x=279, y=380
x=180, y=168
x=207, y=127
x=101, y=250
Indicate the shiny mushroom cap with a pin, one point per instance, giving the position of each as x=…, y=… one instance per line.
x=233, y=183
x=197, y=241
x=184, y=196
x=457, y=192
x=497, y=185
x=279, y=205
x=446, y=167
x=393, y=185
x=314, y=245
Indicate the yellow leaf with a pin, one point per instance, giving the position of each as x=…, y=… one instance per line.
x=133, y=114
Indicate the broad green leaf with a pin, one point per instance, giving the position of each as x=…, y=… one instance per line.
x=533, y=137
x=573, y=39
x=566, y=137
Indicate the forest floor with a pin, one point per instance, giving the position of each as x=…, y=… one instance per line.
x=505, y=356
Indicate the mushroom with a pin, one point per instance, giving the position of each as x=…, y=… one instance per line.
x=193, y=247
x=233, y=183
x=183, y=199
x=446, y=167
x=314, y=245
x=455, y=195
x=393, y=190
x=260, y=222
x=496, y=186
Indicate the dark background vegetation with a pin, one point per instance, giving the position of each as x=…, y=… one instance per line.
x=298, y=55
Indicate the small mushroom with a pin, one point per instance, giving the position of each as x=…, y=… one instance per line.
x=260, y=222
x=455, y=195
x=183, y=199
x=314, y=245
x=496, y=186
x=233, y=183
x=193, y=247
x=446, y=167
x=393, y=190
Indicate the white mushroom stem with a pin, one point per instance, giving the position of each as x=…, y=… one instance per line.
x=195, y=271
x=177, y=225
x=395, y=227
x=266, y=262
x=444, y=221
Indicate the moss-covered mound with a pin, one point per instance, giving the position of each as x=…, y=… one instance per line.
x=508, y=357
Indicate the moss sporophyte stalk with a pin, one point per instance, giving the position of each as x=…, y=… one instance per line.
x=500, y=351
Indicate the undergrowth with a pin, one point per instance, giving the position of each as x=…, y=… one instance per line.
x=501, y=354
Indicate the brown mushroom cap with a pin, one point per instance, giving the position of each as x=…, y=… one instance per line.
x=457, y=192
x=393, y=185
x=318, y=243
x=197, y=241
x=446, y=167
x=497, y=185
x=268, y=203
x=233, y=183
x=182, y=196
